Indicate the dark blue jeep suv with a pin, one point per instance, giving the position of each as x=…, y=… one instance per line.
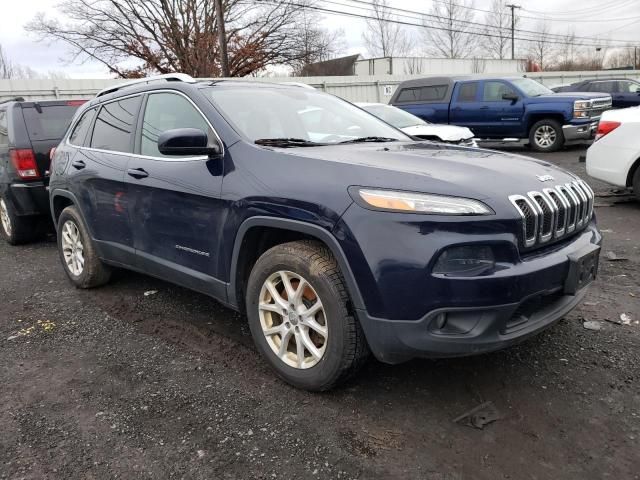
x=337, y=234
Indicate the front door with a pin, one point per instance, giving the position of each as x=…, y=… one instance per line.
x=504, y=117
x=628, y=94
x=176, y=208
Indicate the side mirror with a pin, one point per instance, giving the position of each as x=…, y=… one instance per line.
x=512, y=97
x=186, y=142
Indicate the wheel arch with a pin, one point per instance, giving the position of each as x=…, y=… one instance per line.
x=632, y=171
x=288, y=227
x=535, y=117
x=59, y=200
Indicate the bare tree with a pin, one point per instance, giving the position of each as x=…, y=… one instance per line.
x=541, y=50
x=176, y=35
x=497, y=41
x=447, y=31
x=568, y=55
x=382, y=37
x=316, y=43
x=624, y=56
x=7, y=69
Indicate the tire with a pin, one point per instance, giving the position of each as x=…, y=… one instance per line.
x=74, y=239
x=554, y=139
x=16, y=229
x=339, y=352
x=636, y=183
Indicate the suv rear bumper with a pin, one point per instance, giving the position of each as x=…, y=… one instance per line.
x=29, y=198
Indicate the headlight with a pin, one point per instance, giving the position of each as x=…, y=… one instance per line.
x=423, y=203
x=582, y=104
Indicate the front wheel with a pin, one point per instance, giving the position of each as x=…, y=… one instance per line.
x=636, y=184
x=298, y=311
x=546, y=136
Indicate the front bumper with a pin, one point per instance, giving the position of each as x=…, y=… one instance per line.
x=584, y=131
x=485, y=313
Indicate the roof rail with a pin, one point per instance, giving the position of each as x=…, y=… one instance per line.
x=169, y=77
x=14, y=99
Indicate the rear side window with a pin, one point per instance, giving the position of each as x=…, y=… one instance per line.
x=4, y=133
x=468, y=92
x=604, y=87
x=167, y=111
x=625, y=86
x=81, y=128
x=432, y=93
x=114, y=125
x=48, y=122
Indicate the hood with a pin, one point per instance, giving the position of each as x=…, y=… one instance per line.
x=568, y=96
x=435, y=168
x=446, y=133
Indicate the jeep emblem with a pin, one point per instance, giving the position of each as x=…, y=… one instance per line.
x=545, y=178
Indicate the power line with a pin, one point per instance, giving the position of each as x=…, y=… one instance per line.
x=532, y=35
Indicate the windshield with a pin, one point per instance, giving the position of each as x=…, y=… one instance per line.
x=531, y=88
x=394, y=116
x=297, y=113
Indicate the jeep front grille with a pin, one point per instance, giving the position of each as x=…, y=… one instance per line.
x=554, y=212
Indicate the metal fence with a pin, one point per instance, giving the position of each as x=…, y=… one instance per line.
x=377, y=88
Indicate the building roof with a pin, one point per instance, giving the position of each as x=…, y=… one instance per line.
x=333, y=67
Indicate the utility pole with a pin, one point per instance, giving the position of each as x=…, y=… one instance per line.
x=222, y=39
x=513, y=29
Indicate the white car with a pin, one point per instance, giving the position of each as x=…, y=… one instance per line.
x=416, y=127
x=614, y=157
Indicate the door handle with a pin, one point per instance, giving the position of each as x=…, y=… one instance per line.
x=137, y=173
x=78, y=164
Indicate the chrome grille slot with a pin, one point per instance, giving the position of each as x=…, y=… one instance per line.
x=554, y=212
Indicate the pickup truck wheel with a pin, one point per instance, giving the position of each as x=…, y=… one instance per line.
x=77, y=253
x=298, y=311
x=15, y=229
x=546, y=136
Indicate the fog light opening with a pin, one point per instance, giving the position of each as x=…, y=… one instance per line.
x=441, y=321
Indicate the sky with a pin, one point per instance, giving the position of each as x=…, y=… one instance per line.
x=587, y=17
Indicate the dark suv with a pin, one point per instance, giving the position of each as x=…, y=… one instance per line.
x=336, y=233
x=28, y=132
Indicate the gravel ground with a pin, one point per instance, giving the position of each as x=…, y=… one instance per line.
x=111, y=383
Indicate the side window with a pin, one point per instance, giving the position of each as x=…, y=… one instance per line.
x=408, y=95
x=166, y=111
x=433, y=93
x=604, y=87
x=4, y=132
x=81, y=129
x=625, y=86
x=493, y=91
x=114, y=125
x=468, y=92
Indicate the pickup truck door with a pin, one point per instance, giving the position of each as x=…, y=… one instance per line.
x=503, y=117
x=466, y=110
x=627, y=94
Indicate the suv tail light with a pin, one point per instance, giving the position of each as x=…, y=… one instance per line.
x=24, y=161
x=605, y=127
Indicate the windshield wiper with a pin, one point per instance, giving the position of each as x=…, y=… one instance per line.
x=287, y=142
x=370, y=139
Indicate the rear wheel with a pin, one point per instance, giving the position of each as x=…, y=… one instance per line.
x=546, y=136
x=77, y=252
x=299, y=316
x=16, y=229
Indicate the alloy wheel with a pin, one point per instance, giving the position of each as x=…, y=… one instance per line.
x=4, y=217
x=293, y=319
x=545, y=136
x=72, y=248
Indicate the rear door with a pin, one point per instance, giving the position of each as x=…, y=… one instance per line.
x=96, y=174
x=46, y=124
x=628, y=94
x=175, y=203
x=503, y=117
x=467, y=110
